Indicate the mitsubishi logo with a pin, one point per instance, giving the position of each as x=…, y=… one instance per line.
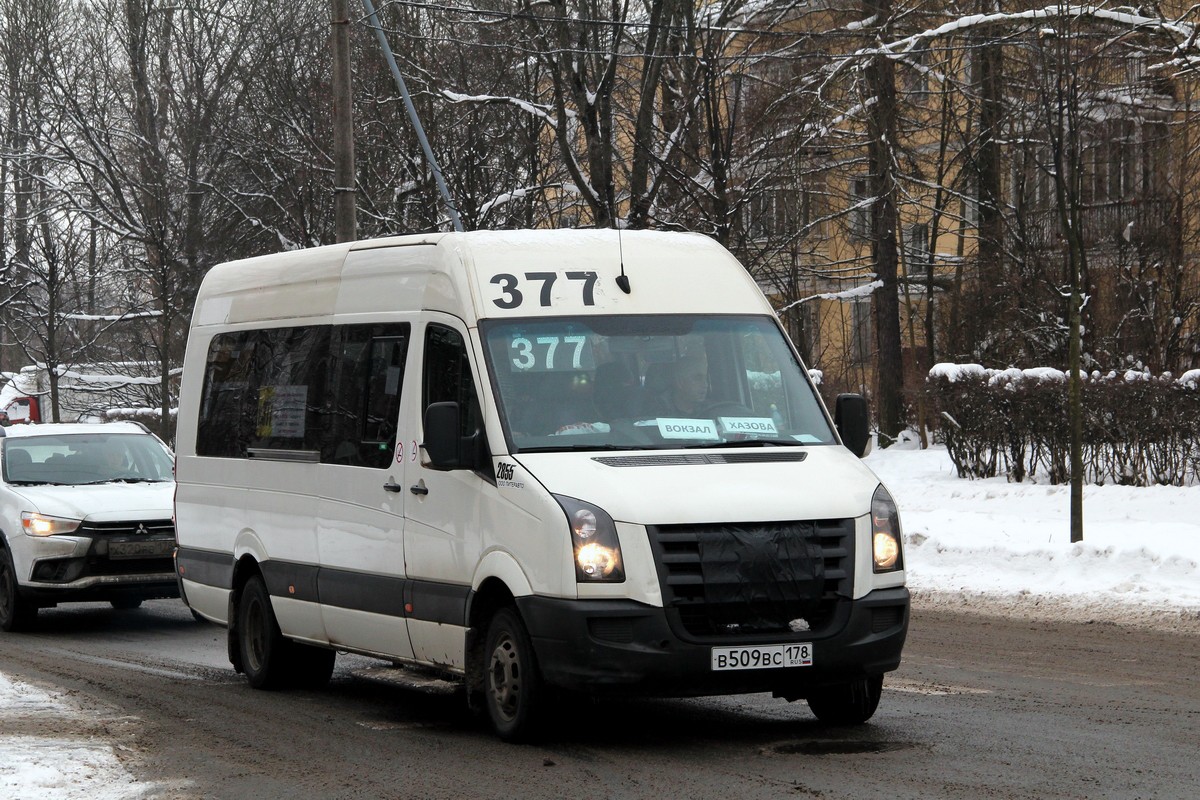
x=141, y=529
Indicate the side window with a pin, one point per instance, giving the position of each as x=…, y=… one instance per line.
x=364, y=404
x=226, y=420
x=326, y=392
x=448, y=375
x=292, y=366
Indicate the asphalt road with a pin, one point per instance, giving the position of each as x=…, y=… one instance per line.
x=982, y=707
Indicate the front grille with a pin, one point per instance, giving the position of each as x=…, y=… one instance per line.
x=155, y=527
x=102, y=558
x=722, y=580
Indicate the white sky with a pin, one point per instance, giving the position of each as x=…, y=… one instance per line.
x=989, y=545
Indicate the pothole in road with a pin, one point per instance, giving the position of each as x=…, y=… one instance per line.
x=836, y=747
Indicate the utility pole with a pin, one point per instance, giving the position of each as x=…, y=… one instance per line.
x=344, y=205
x=418, y=128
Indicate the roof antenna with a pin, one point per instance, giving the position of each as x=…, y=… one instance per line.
x=622, y=279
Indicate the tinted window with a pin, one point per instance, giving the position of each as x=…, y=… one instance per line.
x=328, y=393
x=448, y=375
x=363, y=410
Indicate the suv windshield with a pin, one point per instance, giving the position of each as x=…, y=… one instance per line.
x=77, y=458
x=637, y=382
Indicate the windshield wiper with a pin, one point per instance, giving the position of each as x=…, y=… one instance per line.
x=35, y=483
x=745, y=443
x=565, y=448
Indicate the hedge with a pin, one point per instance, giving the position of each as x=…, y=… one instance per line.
x=1138, y=429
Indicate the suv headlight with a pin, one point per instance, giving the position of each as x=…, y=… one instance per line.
x=41, y=525
x=594, y=536
x=885, y=532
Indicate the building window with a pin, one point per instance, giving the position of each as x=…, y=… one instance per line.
x=916, y=245
x=785, y=212
x=916, y=77
x=862, y=332
x=860, y=208
x=810, y=330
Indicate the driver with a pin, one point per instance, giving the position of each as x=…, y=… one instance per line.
x=114, y=461
x=689, y=386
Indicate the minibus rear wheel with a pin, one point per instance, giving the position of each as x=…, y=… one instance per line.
x=850, y=703
x=263, y=646
x=513, y=688
x=311, y=667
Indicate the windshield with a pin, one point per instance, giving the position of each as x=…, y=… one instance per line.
x=638, y=382
x=80, y=458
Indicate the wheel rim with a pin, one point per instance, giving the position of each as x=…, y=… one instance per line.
x=504, y=677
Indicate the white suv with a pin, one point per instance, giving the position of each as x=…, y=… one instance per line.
x=85, y=514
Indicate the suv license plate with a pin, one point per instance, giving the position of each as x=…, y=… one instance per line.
x=161, y=547
x=773, y=656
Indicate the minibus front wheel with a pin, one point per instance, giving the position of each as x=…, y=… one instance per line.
x=850, y=703
x=513, y=688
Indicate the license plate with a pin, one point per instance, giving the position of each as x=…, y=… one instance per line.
x=772, y=656
x=140, y=549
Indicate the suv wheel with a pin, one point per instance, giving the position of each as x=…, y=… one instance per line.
x=16, y=612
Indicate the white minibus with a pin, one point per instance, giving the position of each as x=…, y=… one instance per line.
x=528, y=462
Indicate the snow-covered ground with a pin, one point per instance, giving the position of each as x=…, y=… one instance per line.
x=50, y=749
x=1003, y=547
x=989, y=545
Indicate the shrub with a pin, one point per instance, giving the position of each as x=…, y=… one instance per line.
x=1137, y=429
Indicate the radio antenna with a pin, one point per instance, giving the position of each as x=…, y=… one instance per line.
x=622, y=279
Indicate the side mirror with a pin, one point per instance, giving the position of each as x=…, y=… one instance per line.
x=853, y=422
x=444, y=447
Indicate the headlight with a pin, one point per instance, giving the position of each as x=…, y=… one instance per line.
x=885, y=532
x=41, y=525
x=594, y=536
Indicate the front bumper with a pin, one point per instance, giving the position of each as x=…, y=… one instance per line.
x=82, y=568
x=626, y=647
x=104, y=588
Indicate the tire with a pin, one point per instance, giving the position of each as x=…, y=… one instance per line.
x=16, y=612
x=126, y=603
x=851, y=703
x=264, y=650
x=269, y=660
x=311, y=667
x=513, y=690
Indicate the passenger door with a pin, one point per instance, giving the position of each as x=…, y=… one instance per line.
x=360, y=529
x=443, y=530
